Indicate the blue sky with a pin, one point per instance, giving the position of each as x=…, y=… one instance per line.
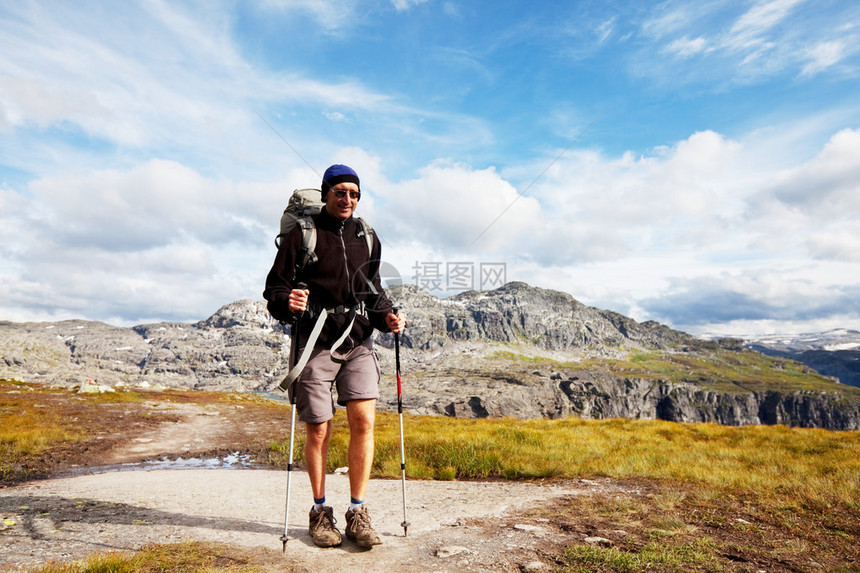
x=694, y=163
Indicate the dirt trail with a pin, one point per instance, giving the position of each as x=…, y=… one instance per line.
x=199, y=428
x=454, y=526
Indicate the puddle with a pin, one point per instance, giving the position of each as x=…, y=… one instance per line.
x=231, y=461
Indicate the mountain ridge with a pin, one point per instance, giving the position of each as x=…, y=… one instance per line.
x=516, y=351
x=834, y=352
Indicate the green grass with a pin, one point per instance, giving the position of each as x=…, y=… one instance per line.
x=655, y=555
x=722, y=370
x=713, y=369
x=509, y=356
x=536, y=360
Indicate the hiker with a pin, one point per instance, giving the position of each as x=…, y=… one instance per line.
x=344, y=280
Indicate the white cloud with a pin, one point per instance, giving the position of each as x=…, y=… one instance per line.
x=827, y=186
x=823, y=56
x=98, y=81
x=749, y=31
x=685, y=47
x=746, y=45
x=142, y=183
x=661, y=201
x=671, y=17
x=336, y=116
x=453, y=207
x=152, y=205
x=401, y=5
x=604, y=30
x=694, y=234
x=753, y=296
x=163, y=77
x=838, y=244
x=330, y=15
x=156, y=241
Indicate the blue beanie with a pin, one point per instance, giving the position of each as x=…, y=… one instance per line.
x=337, y=174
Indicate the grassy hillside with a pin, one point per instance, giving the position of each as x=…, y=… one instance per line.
x=715, y=369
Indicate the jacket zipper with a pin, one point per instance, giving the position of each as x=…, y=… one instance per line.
x=345, y=261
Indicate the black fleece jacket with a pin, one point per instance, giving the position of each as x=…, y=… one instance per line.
x=344, y=274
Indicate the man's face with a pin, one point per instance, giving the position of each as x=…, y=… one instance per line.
x=342, y=207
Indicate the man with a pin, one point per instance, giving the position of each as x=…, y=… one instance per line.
x=345, y=281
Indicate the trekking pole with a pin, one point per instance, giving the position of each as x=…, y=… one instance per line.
x=405, y=524
x=294, y=351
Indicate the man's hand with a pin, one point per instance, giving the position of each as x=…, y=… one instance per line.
x=299, y=300
x=396, y=322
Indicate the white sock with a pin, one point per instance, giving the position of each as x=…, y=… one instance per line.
x=355, y=506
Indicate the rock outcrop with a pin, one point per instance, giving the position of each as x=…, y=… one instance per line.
x=465, y=356
x=519, y=313
x=238, y=348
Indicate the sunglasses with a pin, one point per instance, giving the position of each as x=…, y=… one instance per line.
x=341, y=193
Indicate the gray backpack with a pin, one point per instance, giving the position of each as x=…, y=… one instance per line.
x=302, y=205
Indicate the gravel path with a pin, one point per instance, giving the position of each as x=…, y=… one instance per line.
x=454, y=526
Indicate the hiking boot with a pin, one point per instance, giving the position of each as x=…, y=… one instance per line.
x=359, y=530
x=322, y=529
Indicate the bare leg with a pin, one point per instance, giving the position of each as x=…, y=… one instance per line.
x=361, y=415
x=316, y=455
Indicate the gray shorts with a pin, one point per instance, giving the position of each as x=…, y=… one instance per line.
x=358, y=379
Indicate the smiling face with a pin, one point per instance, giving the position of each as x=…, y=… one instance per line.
x=342, y=207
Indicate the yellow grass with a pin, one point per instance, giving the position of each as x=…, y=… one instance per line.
x=806, y=466
x=33, y=432
x=799, y=468
x=186, y=556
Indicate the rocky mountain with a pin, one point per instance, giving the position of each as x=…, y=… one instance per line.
x=833, y=353
x=515, y=351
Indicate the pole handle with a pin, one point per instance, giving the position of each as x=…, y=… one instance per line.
x=396, y=312
x=302, y=286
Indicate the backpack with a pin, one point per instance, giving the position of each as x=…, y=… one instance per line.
x=302, y=205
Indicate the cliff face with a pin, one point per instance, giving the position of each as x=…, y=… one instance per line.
x=599, y=395
x=466, y=356
x=690, y=403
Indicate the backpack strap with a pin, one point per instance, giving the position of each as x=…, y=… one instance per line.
x=366, y=231
x=297, y=368
x=308, y=253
